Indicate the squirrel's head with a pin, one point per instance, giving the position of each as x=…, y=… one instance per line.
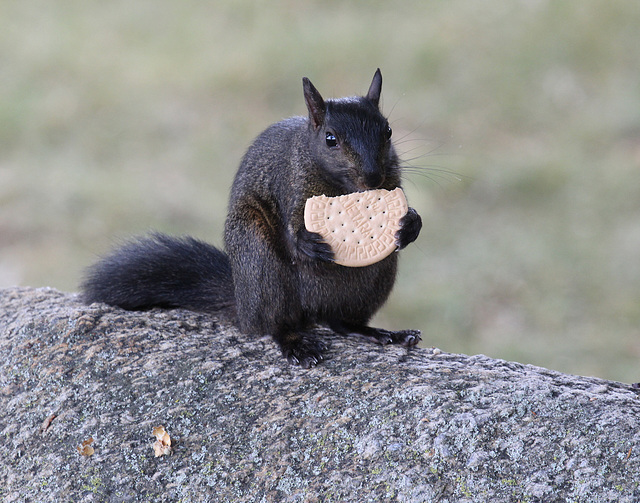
x=351, y=139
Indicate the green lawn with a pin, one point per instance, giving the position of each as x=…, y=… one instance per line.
x=118, y=117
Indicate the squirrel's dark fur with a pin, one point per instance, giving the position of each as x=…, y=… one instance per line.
x=276, y=277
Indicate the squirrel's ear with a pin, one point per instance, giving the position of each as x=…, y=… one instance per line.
x=373, y=95
x=315, y=103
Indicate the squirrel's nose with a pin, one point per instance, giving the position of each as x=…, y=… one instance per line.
x=373, y=180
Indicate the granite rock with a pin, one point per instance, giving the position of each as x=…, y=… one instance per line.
x=370, y=424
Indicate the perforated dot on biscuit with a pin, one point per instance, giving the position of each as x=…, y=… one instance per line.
x=359, y=227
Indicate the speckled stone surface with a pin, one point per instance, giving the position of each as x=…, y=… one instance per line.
x=369, y=424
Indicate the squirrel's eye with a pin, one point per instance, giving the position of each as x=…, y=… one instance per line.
x=388, y=133
x=331, y=140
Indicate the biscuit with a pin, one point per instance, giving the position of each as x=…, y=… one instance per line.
x=360, y=227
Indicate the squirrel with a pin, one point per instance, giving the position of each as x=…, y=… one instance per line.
x=275, y=277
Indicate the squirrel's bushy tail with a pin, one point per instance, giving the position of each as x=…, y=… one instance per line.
x=163, y=271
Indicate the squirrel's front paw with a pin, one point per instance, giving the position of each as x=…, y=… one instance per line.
x=410, y=226
x=311, y=245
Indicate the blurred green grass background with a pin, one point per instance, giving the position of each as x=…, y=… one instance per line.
x=119, y=117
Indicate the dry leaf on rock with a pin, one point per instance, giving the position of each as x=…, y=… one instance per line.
x=85, y=449
x=162, y=445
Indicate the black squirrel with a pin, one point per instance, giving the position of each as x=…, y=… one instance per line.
x=276, y=277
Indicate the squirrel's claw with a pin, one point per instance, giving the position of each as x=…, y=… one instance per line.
x=408, y=338
x=311, y=245
x=304, y=350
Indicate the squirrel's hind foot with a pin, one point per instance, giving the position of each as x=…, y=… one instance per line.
x=407, y=338
x=304, y=349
